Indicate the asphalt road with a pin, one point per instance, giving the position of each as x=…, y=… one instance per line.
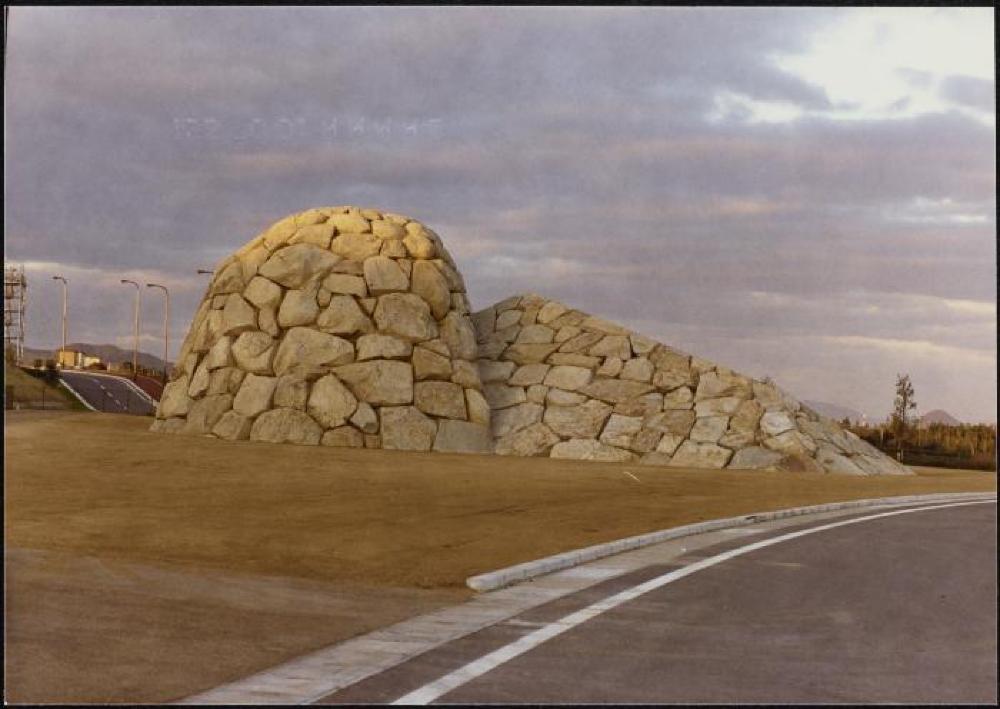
x=108, y=393
x=896, y=609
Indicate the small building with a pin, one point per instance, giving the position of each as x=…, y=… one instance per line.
x=76, y=359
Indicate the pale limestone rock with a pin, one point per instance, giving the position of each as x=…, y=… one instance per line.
x=291, y=391
x=641, y=345
x=238, y=315
x=438, y=346
x=712, y=385
x=612, y=346
x=566, y=332
x=315, y=234
x=462, y=437
x=440, y=399
x=205, y=413
x=351, y=222
x=371, y=214
x=226, y=380
x=550, y=311
x=419, y=246
x=218, y=301
x=724, y=406
x=586, y=449
x=365, y=418
x=407, y=316
x=537, y=393
x=430, y=284
x=298, y=307
x=674, y=422
x=308, y=352
x=175, y=400
x=573, y=359
x=267, y=321
x=669, y=379
x=755, y=458
x=637, y=369
x=500, y=395
x=534, y=440
x=354, y=246
x=680, y=398
x=507, y=319
x=230, y=280
x=536, y=334
x=561, y=397
x=279, y=233
x=384, y=275
x=199, y=382
x=379, y=381
x=833, y=461
x=343, y=437
x=343, y=316
x=528, y=353
x=700, y=455
x=405, y=428
x=309, y=218
x=453, y=277
x=791, y=442
x=220, y=354
x=457, y=332
x=646, y=440
x=483, y=322
x=615, y=390
x=508, y=334
x=709, y=429
x=702, y=365
x=286, y=426
x=254, y=395
x=330, y=403
x=232, y=426
x=668, y=444
x=514, y=418
x=384, y=229
x=465, y=373
x=773, y=423
x=582, y=421
x=611, y=367
x=345, y=284
x=294, y=266
x=382, y=347
x=253, y=352
x=479, y=409
x=529, y=374
x=349, y=267
x=568, y=377
x=490, y=371
x=263, y=293
x=644, y=405
x=620, y=430
x=430, y=365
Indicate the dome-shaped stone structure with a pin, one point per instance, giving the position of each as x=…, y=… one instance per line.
x=337, y=326
x=566, y=384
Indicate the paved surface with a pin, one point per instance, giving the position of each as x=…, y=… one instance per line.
x=108, y=393
x=896, y=609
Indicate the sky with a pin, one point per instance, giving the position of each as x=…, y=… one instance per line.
x=802, y=193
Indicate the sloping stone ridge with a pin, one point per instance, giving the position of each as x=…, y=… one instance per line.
x=342, y=326
x=565, y=384
x=336, y=326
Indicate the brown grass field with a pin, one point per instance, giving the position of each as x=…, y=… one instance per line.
x=143, y=567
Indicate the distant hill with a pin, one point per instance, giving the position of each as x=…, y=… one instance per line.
x=938, y=416
x=834, y=411
x=107, y=353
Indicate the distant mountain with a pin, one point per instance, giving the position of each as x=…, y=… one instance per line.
x=938, y=416
x=107, y=353
x=834, y=411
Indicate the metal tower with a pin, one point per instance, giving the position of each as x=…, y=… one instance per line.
x=15, y=294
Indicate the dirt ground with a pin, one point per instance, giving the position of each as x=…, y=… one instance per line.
x=136, y=561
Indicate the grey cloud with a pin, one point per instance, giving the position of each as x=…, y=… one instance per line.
x=970, y=91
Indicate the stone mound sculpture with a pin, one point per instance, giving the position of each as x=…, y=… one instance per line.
x=351, y=327
x=565, y=384
x=339, y=326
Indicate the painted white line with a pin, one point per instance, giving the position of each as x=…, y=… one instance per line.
x=75, y=393
x=429, y=692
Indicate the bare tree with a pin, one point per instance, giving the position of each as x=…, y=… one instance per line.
x=902, y=407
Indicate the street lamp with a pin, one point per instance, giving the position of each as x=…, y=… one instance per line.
x=202, y=271
x=135, y=329
x=166, y=325
x=64, y=282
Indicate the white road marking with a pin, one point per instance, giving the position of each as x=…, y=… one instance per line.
x=632, y=476
x=429, y=692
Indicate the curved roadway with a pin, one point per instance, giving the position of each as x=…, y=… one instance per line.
x=105, y=392
x=900, y=608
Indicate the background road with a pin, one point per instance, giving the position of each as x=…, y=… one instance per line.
x=898, y=609
x=108, y=393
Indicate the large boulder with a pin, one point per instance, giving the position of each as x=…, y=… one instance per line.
x=313, y=331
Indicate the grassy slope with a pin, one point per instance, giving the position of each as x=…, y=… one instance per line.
x=29, y=387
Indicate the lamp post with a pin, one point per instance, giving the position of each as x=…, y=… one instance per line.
x=135, y=329
x=202, y=271
x=64, y=282
x=166, y=325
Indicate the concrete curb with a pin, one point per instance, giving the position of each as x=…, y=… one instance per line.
x=493, y=580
